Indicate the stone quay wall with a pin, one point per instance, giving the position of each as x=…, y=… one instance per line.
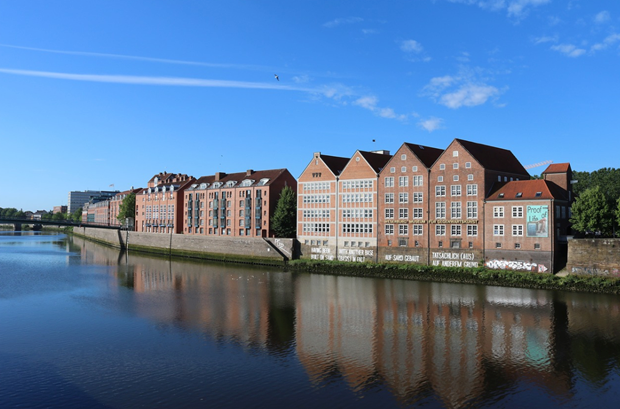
x=252, y=249
x=594, y=257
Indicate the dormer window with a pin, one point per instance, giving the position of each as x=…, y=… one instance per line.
x=501, y=196
x=538, y=194
x=520, y=194
x=216, y=185
x=203, y=185
x=247, y=182
x=231, y=183
x=263, y=181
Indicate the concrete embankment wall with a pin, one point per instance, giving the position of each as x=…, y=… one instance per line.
x=595, y=257
x=254, y=250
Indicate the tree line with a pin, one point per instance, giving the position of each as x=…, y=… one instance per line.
x=596, y=210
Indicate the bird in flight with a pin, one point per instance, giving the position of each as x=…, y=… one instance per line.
x=276, y=75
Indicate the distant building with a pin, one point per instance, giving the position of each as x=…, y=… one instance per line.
x=59, y=209
x=77, y=199
x=38, y=214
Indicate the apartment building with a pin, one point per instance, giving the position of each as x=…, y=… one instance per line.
x=159, y=206
x=436, y=207
x=337, y=206
x=404, y=192
x=238, y=204
x=317, y=208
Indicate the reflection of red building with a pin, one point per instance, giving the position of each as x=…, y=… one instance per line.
x=426, y=337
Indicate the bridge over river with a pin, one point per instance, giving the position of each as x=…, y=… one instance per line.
x=17, y=222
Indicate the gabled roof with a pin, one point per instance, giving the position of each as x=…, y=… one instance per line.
x=558, y=168
x=426, y=154
x=270, y=175
x=529, y=190
x=492, y=158
x=376, y=160
x=335, y=163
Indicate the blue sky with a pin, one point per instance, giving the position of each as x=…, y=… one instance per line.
x=95, y=93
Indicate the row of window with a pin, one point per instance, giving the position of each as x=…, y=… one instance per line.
x=517, y=230
x=440, y=229
x=498, y=212
x=315, y=198
x=357, y=228
x=357, y=184
x=455, y=190
x=403, y=213
x=357, y=197
x=403, y=181
x=315, y=214
x=310, y=186
x=403, y=197
x=315, y=227
x=455, y=210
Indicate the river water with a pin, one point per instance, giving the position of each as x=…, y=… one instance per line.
x=83, y=325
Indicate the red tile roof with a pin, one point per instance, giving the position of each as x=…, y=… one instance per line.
x=493, y=158
x=376, y=160
x=529, y=189
x=558, y=168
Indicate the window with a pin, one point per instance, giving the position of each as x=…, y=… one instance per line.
x=517, y=230
x=468, y=166
x=403, y=213
x=440, y=230
x=498, y=245
x=470, y=177
x=455, y=154
x=455, y=230
x=414, y=168
x=389, y=213
x=403, y=181
x=403, y=197
x=536, y=246
x=498, y=229
x=455, y=190
x=392, y=170
x=389, y=181
x=455, y=165
x=417, y=230
x=440, y=191
x=403, y=157
x=517, y=246
x=403, y=229
x=440, y=210
x=440, y=244
x=517, y=211
x=389, y=229
x=418, y=197
x=417, y=213
x=498, y=212
x=455, y=178
x=418, y=180
x=389, y=198
x=472, y=230
x=472, y=190
x=440, y=179
x=472, y=210
x=455, y=210
x=403, y=241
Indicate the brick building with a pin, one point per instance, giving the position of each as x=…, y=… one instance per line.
x=115, y=204
x=436, y=207
x=237, y=204
x=159, y=206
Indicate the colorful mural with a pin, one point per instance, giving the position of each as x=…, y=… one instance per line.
x=537, y=221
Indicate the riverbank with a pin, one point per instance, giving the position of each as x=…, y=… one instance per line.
x=505, y=278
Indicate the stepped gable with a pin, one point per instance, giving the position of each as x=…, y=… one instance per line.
x=529, y=189
x=376, y=160
x=493, y=158
x=335, y=163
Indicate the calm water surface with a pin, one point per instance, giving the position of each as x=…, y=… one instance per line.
x=83, y=325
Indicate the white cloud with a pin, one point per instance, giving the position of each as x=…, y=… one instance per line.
x=546, y=39
x=569, y=50
x=608, y=41
x=369, y=102
x=166, y=81
x=517, y=9
x=465, y=89
x=301, y=79
x=431, y=124
x=340, y=21
x=369, y=31
x=468, y=95
x=602, y=17
x=411, y=46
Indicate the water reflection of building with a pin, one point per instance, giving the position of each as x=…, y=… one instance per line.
x=459, y=342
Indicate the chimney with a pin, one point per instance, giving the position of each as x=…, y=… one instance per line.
x=249, y=172
x=219, y=175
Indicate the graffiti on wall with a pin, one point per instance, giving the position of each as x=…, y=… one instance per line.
x=321, y=253
x=354, y=255
x=537, y=221
x=400, y=257
x=595, y=271
x=448, y=259
x=515, y=265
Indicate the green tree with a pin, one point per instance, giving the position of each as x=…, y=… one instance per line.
x=58, y=217
x=77, y=215
x=127, y=208
x=591, y=213
x=285, y=216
